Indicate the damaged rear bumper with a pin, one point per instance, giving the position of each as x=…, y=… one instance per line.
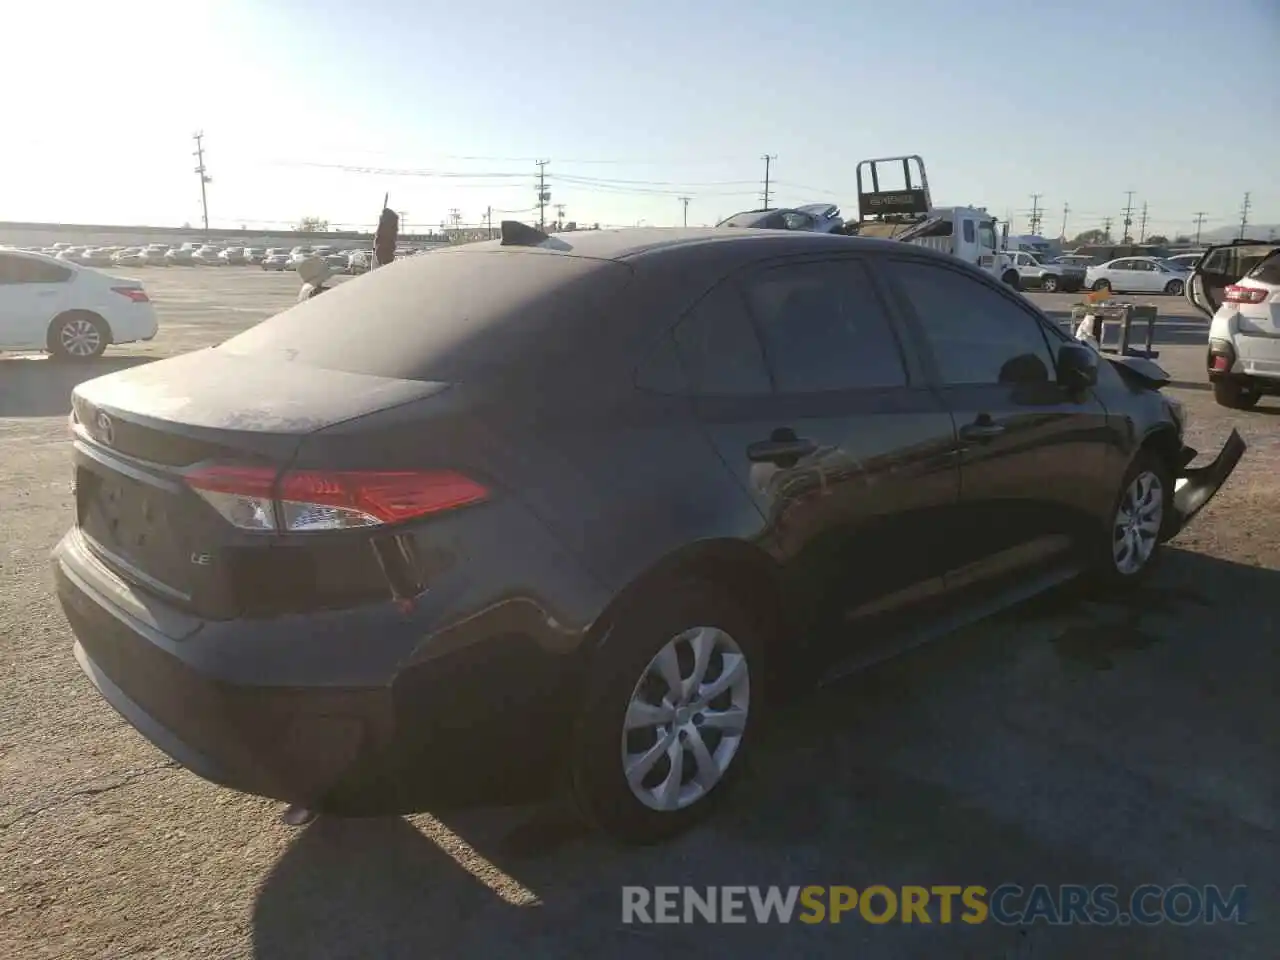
x=1196, y=486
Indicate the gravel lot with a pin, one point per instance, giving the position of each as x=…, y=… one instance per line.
x=1063, y=742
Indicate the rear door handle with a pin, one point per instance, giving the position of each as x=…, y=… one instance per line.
x=981, y=430
x=782, y=452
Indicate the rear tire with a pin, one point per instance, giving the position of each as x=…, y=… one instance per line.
x=1102, y=285
x=1011, y=279
x=1235, y=396
x=1173, y=288
x=1049, y=284
x=625, y=685
x=79, y=336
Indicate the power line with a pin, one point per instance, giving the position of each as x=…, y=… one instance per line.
x=204, y=179
x=1035, y=214
x=1128, y=217
x=543, y=193
x=767, y=158
x=1244, y=214
x=685, y=203
x=1200, y=214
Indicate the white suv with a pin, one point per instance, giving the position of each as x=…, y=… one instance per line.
x=1238, y=284
x=72, y=312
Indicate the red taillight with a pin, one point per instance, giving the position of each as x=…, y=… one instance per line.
x=136, y=294
x=1219, y=364
x=1239, y=294
x=253, y=499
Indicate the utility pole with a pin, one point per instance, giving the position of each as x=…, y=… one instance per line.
x=204, y=179
x=1035, y=214
x=1244, y=215
x=1106, y=228
x=543, y=193
x=404, y=221
x=1200, y=214
x=685, y=202
x=1142, y=223
x=455, y=219
x=488, y=221
x=767, y=160
x=559, y=216
x=1066, y=209
x=1128, y=218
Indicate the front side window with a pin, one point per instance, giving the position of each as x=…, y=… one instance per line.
x=976, y=334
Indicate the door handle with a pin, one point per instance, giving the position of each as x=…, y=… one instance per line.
x=984, y=428
x=782, y=452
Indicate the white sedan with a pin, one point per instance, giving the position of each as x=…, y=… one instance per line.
x=1137, y=275
x=70, y=311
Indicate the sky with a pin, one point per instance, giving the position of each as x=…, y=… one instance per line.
x=319, y=108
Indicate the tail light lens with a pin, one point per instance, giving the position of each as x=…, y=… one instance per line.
x=136, y=294
x=252, y=498
x=1239, y=294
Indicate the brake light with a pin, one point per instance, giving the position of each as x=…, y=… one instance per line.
x=1238, y=294
x=136, y=294
x=252, y=498
x=1219, y=364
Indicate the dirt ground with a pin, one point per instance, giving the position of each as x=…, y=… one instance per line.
x=1066, y=741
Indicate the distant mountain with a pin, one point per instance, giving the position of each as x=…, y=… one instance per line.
x=1254, y=231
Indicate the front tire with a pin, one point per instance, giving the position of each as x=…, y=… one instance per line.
x=1235, y=396
x=1140, y=519
x=1049, y=284
x=671, y=703
x=1102, y=285
x=78, y=336
x=1173, y=288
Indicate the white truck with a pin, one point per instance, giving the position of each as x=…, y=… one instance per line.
x=908, y=214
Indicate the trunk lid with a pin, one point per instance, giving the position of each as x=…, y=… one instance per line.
x=138, y=431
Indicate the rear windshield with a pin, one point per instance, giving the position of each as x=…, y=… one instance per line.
x=458, y=315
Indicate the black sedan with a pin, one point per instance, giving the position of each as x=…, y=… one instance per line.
x=575, y=511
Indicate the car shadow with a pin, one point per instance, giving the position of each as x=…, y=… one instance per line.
x=41, y=386
x=1126, y=742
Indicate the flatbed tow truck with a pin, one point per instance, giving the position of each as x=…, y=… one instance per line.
x=908, y=214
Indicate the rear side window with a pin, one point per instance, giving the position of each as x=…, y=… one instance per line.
x=14, y=270
x=824, y=328
x=718, y=347
x=453, y=316
x=1268, y=271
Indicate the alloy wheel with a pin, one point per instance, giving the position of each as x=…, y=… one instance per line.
x=80, y=338
x=1136, y=529
x=686, y=719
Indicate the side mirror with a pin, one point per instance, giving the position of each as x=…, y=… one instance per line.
x=1077, y=367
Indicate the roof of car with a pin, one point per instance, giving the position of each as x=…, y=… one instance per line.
x=634, y=243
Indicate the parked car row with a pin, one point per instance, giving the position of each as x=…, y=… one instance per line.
x=216, y=254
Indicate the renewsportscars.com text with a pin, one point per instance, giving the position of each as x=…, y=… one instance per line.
x=1008, y=904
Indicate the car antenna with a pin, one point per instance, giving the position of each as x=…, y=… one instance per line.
x=517, y=234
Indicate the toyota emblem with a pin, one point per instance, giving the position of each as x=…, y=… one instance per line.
x=106, y=429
